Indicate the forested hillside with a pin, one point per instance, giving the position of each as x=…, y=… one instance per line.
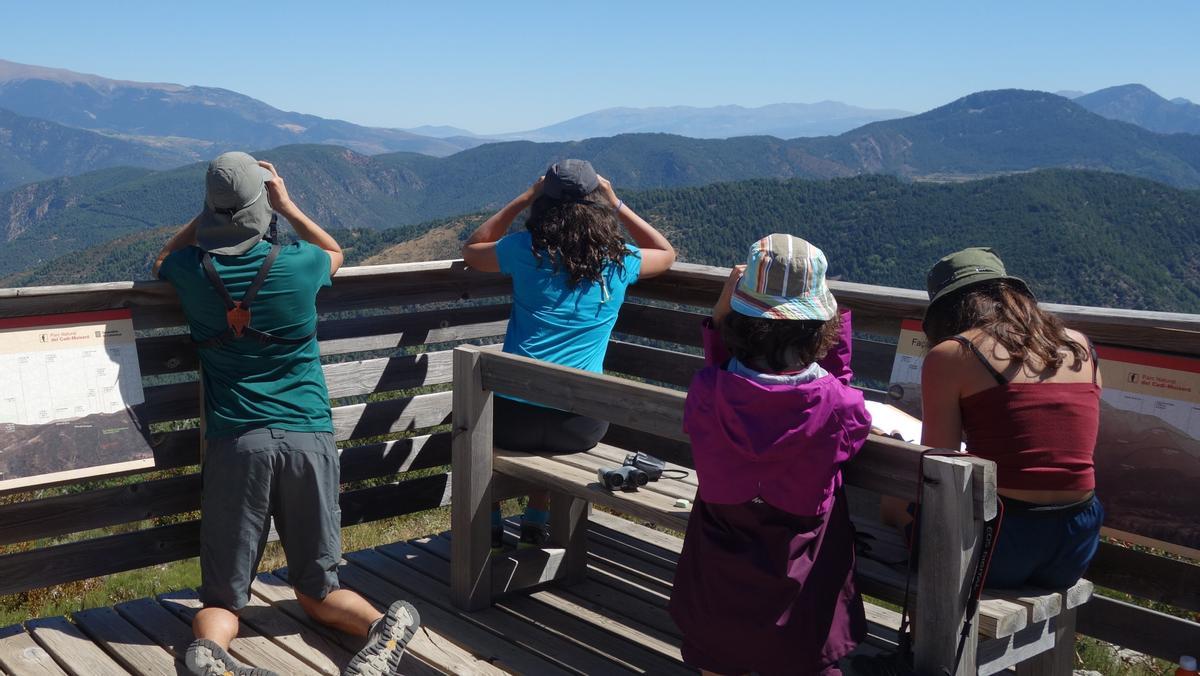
x=1081, y=237
x=1090, y=238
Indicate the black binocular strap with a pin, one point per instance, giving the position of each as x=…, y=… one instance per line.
x=259, y=279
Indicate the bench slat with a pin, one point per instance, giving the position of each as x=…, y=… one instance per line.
x=559, y=476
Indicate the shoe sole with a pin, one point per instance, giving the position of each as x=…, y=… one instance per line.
x=382, y=655
x=214, y=661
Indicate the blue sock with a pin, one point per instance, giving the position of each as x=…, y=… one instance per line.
x=536, y=516
x=495, y=518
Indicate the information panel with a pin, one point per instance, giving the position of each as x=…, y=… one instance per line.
x=70, y=398
x=1148, y=452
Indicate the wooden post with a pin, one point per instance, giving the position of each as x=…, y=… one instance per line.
x=949, y=535
x=471, y=484
x=1059, y=660
x=568, y=529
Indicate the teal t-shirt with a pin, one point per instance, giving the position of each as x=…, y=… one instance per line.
x=247, y=384
x=554, y=322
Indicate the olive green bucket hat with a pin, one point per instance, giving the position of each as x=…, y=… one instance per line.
x=966, y=268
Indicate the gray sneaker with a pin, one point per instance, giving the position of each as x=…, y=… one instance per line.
x=206, y=658
x=385, y=644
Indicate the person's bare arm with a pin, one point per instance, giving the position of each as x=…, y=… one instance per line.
x=184, y=238
x=941, y=418
x=724, y=306
x=657, y=253
x=480, y=250
x=306, y=229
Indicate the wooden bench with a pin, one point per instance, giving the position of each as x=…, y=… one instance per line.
x=1033, y=630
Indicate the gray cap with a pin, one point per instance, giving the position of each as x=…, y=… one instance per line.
x=570, y=179
x=237, y=211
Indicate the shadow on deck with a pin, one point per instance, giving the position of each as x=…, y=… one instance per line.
x=614, y=622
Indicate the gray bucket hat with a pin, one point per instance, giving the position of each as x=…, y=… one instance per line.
x=570, y=180
x=236, y=211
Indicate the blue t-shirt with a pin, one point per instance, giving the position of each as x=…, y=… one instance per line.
x=551, y=320
x=247, y=384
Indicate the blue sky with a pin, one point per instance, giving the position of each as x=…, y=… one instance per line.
x=501, y=66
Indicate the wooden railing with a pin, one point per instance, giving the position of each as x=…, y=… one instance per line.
x=388, y=329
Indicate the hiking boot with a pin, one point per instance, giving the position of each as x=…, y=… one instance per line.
x=533, y=535
x=385, y=644
x=206, y=658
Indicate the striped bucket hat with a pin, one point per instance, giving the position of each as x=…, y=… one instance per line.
x=784, y=279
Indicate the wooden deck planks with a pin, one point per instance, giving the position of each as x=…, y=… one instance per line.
x=464, y=631
x=310, y=646
x=249, y=647
x=71, y=649
x=20, y=655
x=133, y=649
x=614, y=621
x=608, y=617
x=427, y=652
x=402, y=560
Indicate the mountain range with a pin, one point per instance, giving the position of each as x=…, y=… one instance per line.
x=781, y=120
x=1137, y=104
x=32, y=149
x=58, y=123
x=980, y=135
x=197, y=122
x=1057, y=229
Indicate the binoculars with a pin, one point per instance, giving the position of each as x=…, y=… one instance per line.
x=638, y=470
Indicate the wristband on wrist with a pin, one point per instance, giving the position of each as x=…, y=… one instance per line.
x=617, y=209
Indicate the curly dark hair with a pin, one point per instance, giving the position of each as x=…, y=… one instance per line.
x=578, y=237
x=777, y=345
x=1009, y=316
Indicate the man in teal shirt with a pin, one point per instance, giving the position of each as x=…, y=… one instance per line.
x=251, y=307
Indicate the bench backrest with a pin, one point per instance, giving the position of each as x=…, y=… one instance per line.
x=959, y=494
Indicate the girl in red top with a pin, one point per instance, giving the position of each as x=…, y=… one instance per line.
x=1024, y=391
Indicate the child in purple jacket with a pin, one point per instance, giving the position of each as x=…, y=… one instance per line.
x=765, y=582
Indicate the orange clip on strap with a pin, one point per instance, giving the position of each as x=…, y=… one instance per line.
x=238, y=318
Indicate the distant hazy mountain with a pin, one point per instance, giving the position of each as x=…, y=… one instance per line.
x=33, y=149
x=1137, y=104
x=1057, y=229
x=980, y=135
x=1069, y=93
x=178, y=116
x=440, y=131
x=781, y=120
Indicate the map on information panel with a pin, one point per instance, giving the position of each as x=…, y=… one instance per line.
x=1148, y=452
x=70, y=398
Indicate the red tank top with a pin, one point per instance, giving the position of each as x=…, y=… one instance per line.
x=1040, y=435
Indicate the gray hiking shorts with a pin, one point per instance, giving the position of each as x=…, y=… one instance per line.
x=247, y=479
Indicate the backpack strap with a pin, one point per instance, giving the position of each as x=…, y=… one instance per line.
x=237, y=312
x=966, y=342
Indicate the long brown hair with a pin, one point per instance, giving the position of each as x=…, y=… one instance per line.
x=1009, y=316
x=579, y=237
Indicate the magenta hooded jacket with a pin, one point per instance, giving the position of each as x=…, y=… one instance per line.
x=784, y=444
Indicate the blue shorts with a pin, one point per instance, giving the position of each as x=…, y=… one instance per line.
x=1046, y=546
